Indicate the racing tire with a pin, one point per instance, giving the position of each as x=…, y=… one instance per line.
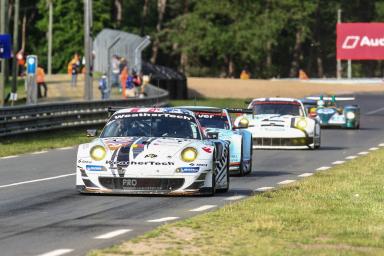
x=250, y=164
x=223, y=190
x=212, y=190
x=241, y=168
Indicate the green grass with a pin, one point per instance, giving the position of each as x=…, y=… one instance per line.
x=338, y=212
x=32, y=142
x=42, y=141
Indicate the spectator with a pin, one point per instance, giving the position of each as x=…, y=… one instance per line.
x=104, y=88
x=245, y=74
x=40, y=80
x=20, y=62
x=74, y=71
x=129, y=87
x=137, y=83
x=146, y=79
x=303, y=75
x=115, y=71
x=123, y=80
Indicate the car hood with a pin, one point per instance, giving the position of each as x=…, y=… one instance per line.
x=271, y=120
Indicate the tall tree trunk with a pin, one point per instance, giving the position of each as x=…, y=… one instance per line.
x=268, y=61
x=184, y=55
x=319, y=61
x=119, y=12
x=230, y=69
x=23, y=31
x=161, y=4
x=296, y=54
x=144, y=17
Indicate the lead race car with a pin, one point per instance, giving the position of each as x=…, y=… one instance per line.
x=281, y=123
x=331, y=113
x=153, y=151
x=217, y=120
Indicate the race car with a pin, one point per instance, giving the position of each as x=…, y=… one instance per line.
x=153, y=151
x=331, y=114
x=217, y=120
x=281, y=123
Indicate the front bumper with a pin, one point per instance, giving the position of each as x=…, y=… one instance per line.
x=289, y=143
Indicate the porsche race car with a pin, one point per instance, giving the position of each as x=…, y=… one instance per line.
x=331, y=113
x=153, y=151
x=281, y=123
x=217, y=120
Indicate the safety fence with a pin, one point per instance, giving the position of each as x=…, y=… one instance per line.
x=50, y=116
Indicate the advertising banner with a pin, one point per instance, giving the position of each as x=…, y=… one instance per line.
x=360, y=41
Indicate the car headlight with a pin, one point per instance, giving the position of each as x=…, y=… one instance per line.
x=98, y=153
x=189, y=154
x=351, y=115
x=243, y=122
x=301, y=124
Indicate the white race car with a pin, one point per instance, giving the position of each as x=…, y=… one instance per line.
x=281, y=123
x=153, y=151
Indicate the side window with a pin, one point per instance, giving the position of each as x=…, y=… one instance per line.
x=195, y=130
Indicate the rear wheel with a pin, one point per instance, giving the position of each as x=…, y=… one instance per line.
x=242, y=167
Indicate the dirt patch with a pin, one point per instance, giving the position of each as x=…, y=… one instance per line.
x=175, y=238
x=254, y=88
x=344, y=247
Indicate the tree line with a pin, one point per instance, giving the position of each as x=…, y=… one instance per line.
x=272, y=38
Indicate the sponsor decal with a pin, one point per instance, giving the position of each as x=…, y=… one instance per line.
x=166, y=115
x=201, y=165
x=150, y=163
x=138, y=145
x=94, y=168
x=110, y=162
x=81, y=161
x=129, y=182
x=188, y=169
x=150, y=156
x=207, y=149
x=350, y=42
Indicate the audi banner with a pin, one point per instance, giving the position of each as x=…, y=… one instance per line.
x=360, y=41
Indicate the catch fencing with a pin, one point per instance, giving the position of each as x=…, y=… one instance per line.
x=50, y=116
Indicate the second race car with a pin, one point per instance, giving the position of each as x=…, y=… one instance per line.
x=217, y=120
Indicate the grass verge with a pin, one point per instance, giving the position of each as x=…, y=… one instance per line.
x=338, y=212
x=70, y=137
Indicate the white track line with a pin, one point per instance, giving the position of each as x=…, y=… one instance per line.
x=306, y=174
x=374, y=111
x=373, y=148
x=284, y=182
x=57, y=252
x=8, y=157
x=163, y=219
x=381, y=145
x=323, y=168
x=363, y=153
x=65, y=148
x=113, y=234
x=350, y=157
x=263, y=189
x=233, y=198
x=203, y=208
x=39, y=152
x=38, y=180
x=338, y=162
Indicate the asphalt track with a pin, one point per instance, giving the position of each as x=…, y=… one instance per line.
x=40, y=215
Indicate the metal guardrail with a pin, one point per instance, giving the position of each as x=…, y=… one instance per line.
x=50, y=116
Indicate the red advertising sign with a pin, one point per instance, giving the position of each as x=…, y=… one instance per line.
x=360, y=41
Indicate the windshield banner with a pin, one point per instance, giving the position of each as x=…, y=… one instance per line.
x=360, y=41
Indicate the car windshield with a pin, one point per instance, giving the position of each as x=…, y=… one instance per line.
x=152, y=125
x=213, y=120
x=277, y=107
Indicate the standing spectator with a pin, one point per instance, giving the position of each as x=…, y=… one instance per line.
x=40, y=80
x=74, y=72
x=245, y=74
x=146, y=79
x=104, y=88
x=20, y=62
x=123, y=80
x=137, y=83
x=129, y=87
x=115, y=71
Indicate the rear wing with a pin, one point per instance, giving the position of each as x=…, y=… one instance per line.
x=337, y=98
x=201, y=109
x=240, y=110
x=114, y=109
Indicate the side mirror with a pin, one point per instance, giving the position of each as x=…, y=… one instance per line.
x=213, y=135
x=91, y=133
